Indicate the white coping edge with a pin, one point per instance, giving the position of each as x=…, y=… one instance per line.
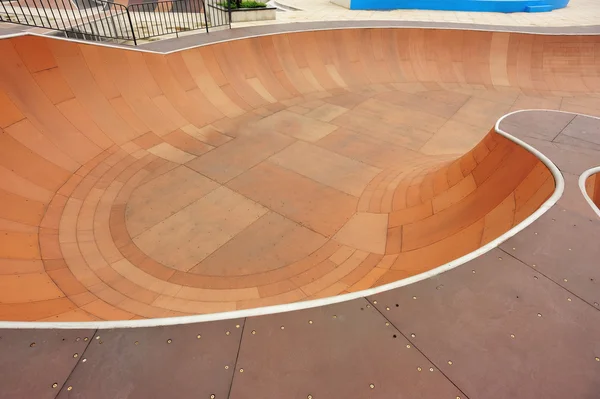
x=288, y=307
x=584, y=176
x=324, y=28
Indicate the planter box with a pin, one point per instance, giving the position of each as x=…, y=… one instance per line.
x=250, y=14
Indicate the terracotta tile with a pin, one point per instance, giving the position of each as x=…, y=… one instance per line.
x=336, y=275
x=68, y=188
x=19, y=245
x=518, y=164
x=369, y=280
x=104, y=311
x=287, y=297
x=335, y=289
x=156, y=269
x=207, y=134
x=78, y=266
x=35, y=55
x=134, y=291
x=391, y=276
x=425, y=102
x=187, y=143
x=362, y=270
x=11, y=182
x=481, y=113
x=50, y=246
x=276, y=288
x=342, y=254
x=269, y=243
x=294, y=125
x=33, y=311
x=326, y=112
x=326, y=167
x=21, y=266
x=441, y=252
x=66, y=282
x=531, y=184
x=394, y=240
x=370, y=124
x=346, y=100
x=400, y=115
x=142, y=310
x=10, y=113
x=42, y=171
x=410, y=215
x=499, y=220
x=53, y=85
x=211, y=221
x=387, y=261
x=454, y=194
x=71, y=315
x=298, y=109
x=535, y=201
x=467, y=164
x=148, y=140
x=454, y=173
x=313, y=273
x=10, y=225
x=116, y=170
x=107, y=294
x=31, y=287
x=54, y=264
x=311, y=204
x=68, y=221
x=236, y=157
x=223, y=295
x=365, y=231
x=83, y=299
x=186, y=306
x=20, y=209
x=170, y=153
x=365, y=148
x=167, y=194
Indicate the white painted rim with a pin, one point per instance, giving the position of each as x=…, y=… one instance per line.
x=560, y=185
x=582, y=179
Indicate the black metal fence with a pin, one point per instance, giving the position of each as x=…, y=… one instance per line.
x=107, y=21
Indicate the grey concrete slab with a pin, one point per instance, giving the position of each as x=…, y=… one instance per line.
x=36, y=363
x=347, y=350
x=499, y=329
x=186, y=361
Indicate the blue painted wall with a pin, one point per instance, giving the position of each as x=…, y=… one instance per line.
x=461, y=5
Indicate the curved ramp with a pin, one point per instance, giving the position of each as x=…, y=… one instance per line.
x=143, y=185
x=592, y=188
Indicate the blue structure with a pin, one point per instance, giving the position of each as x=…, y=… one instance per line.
x=461, y=5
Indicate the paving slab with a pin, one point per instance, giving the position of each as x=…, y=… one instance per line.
x=347, y=350
x=36, y=363
x=188, y=361
x=500, y=329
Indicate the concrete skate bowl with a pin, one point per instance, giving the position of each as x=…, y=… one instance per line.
x=266, y=170
x=592, y=188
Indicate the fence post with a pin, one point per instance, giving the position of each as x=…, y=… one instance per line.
x=229, y=12
x=205, y=12
x=131, y=25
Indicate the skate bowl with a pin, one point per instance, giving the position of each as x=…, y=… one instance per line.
x=592, y=188
x=135, y=184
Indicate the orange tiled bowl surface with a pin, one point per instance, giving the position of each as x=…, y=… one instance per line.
x=592, y=188
x=140, y=185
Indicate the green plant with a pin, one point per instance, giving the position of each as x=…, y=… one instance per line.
x=234, y=4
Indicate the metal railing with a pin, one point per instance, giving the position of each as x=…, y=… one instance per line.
x=107, y=21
